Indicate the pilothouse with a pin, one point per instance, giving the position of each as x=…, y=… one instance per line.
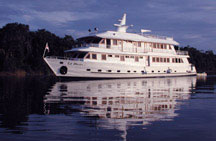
x=119, y=54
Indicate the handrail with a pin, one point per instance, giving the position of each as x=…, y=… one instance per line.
x=179, y=52
x=64, y=58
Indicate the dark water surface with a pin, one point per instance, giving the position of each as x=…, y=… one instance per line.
x=168, y=109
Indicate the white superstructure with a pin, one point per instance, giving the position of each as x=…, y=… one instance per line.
x=119, y=54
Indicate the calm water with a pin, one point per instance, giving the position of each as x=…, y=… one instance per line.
x=168, y=109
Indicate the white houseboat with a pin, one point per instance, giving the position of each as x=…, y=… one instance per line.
x=119, y=54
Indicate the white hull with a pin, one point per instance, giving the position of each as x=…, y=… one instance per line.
x=84, y=69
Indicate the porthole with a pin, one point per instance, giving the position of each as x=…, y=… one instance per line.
x=128, y=71
x=61, y=62
x=134, y=71
x=158, y=71
x=109, y=70
x=152, y=71
x=88, y=69
x=99, y=70
x=118, y=71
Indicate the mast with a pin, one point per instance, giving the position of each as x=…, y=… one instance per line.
x=122, y=27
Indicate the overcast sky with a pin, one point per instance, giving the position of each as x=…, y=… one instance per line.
x=190, y=22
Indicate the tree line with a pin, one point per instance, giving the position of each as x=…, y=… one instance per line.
x=21, y=50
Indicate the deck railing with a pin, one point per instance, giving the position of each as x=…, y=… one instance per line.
x=64, y=58
x=179, y=52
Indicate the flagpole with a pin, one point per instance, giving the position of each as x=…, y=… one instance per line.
x=44, y=52
x=46, y=47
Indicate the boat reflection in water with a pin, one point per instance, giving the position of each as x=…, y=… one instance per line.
x=119, y=104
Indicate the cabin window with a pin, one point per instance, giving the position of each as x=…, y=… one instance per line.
x=161, y=59
x=170, y=47
x=127, y=56
x=128, y=71
x=157, y=59
x=141, y=57
x=131, y=56
x=168, y=60
x=154, y=45
x=139, y=44
x=117, y=56
x=153, y=59
x=118, y=71
x=103, y=56
x=181, y=61
x=81, y=55
x=136, y=59
x=165, y=60
x=122, y=58
x=102, y=41
x=109, y=55
x=94, y=56
x=88, y=56
x=107, y=43
x=135, y=44
x=88, y=69
x=99, y=70
x=114, y=42
x=173, y=60
x=109, y=70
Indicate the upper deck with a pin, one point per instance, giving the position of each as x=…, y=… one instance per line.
x=122, y=41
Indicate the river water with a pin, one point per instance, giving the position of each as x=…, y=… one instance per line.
x=171, y=109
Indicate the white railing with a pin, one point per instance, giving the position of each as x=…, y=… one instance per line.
x=64, y=58
x=157, y=36
x=178, y=52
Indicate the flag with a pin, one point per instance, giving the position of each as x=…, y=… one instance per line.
x=47, y=47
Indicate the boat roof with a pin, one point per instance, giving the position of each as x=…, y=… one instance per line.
x=135, y=37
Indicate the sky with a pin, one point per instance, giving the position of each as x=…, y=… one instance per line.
x=189, y=22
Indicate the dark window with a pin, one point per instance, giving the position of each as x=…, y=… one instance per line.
x=152, y=71
x=88, y=69
x=139, y=44
x=102, y=41
x=128, y=71
x=99, y=70
x=109, y=55
x=61, y=62
x=109, y=70
x=122, y=58
x=94, y=56
x=81, y=55
x=134, y=71
x=117, y=56
x=118, y=71
x=136, y=59
x=103, y=56
x=114, y=42
x=87, y=56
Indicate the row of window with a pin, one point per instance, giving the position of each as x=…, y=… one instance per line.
x=128, y=71
x=104, y=57
x=161, y=46
x=166, y=60
x=138, y=44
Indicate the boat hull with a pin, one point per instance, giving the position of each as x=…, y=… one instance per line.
x=94, y=70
